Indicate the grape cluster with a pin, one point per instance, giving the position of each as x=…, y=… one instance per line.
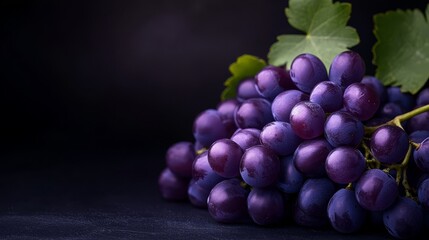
x=311, y=146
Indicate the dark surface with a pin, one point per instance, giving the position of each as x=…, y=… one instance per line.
x=119, y=202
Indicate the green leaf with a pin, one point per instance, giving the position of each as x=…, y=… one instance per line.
x=326, y=35
x=401, y=52
x=246, y=66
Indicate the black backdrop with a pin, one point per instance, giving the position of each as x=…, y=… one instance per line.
x=113, y=78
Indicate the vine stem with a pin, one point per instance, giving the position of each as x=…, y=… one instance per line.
x=400, y=118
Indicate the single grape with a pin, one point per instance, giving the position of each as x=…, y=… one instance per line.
x=423, y=193
x=344, y=212
x=423, y=97
x=419, y=122
x=247, y=89
x=227, y=201
x=376, y=190
x=389, y=144
x=345, y=165
x=208, y=127
x=197, y=194
x=314, y=196
x=328, y=95
x=279, y=137
x=343, y=129
x=203, y=174
x=421, y=156
x=253, y=113
x=310, y=157
x=361, y=100
x=224, y=157
x=377, y=86
x=226, y=109
x=307, y=71
x=171, y=186
x=418, y=136
x=404, y=219
x=284, y=102
x=247, y=137
x=265, y=206
x=260, y=166
x=180, y=157
x=390, y=110
x=291, y=180
x=347, y=67
x=271, y=81
x=307, y=120
x=405, y=100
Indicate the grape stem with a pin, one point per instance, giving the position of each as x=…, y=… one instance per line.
x=399, y=119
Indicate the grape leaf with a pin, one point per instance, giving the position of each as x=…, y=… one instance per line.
x=246, y=66
x=326, y=35
x=401, y=52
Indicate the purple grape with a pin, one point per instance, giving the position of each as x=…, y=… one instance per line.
x=347, y=68
x=260, y=166
x=421, y=155
x=247, y=137
x=377, y=86
x=423, y=97
x=171, y=186
x=343, y=129
x=307, y=71
x=389, y=144
x=208, y=127
x=203, y=174
x=405, y=100
x=265, y=206
x=291, y=180
x=179, y=158
x=279, y=137
x=197, y=194
x=423, y=193
x=419, y=122
x=307, y=120
x=345, y=165
x=227, y=202
x=284, y=102
x=390, y=110
x=310, y=156
x=314, y=196
x=361, y=100
x=247, y=89
x=224, y=157
x=376, y=190
x=272, y=80
x=253, y=113
x=418, y=136
x=404, y=219
x=328, y=95
x=226, y=109
x=344, y=212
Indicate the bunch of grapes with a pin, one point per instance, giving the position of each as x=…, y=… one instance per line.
x=311, y=146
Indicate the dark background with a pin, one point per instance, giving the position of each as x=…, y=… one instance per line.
x=93, y=92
